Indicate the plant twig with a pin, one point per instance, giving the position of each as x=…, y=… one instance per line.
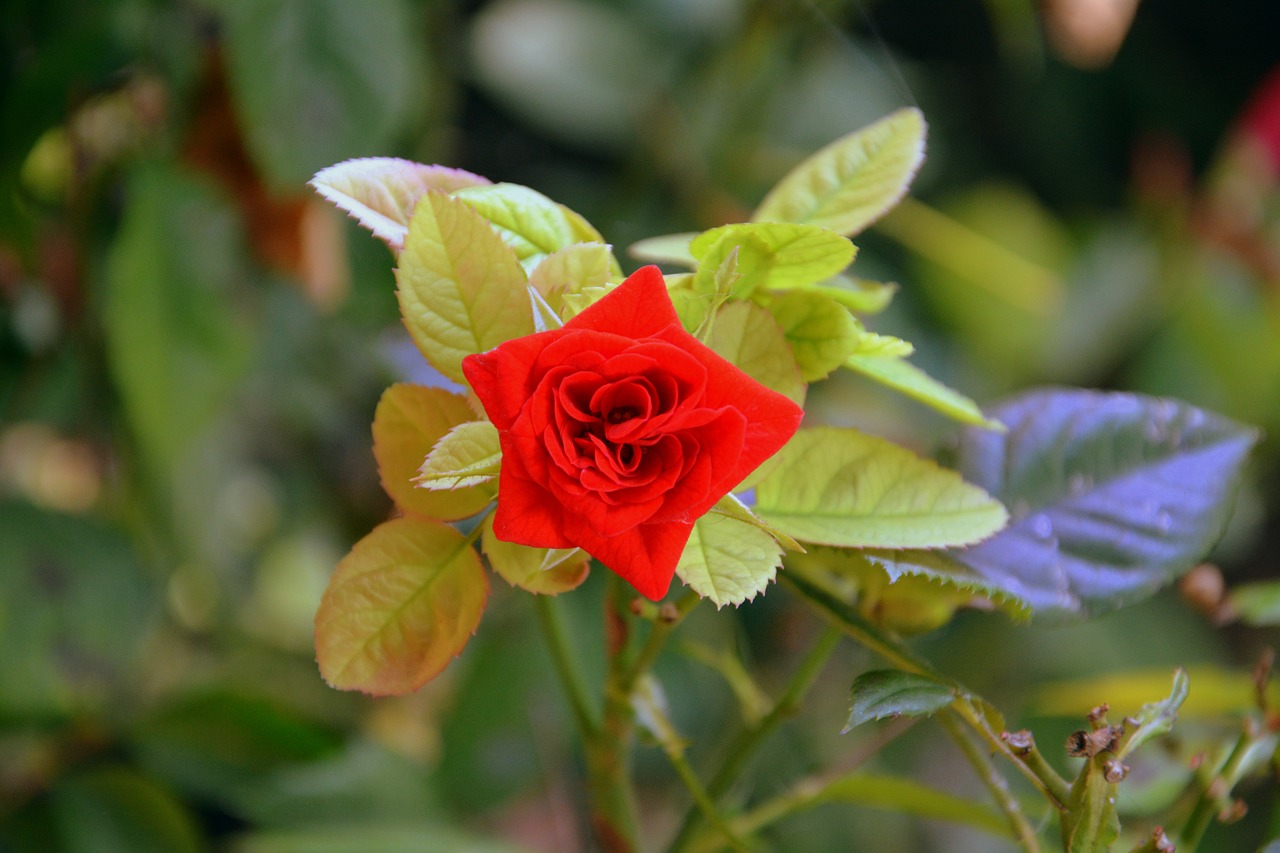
x=1023, y=831
x=1213, y=799
x=749, y=738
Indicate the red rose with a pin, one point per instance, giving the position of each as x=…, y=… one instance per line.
x=620, y=430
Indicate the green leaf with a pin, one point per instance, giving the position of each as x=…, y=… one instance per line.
x=381, y=192
x=399, y=607
x=175, y=341
x=941, y=568
x=727, y=560
x=461, y=289
x=1112, y=495
x=749, y=337
x=773, y=254
x=903, y=376
x=529, y=222
x=667, y=249
x=1155, y=718
x=318, y=81
x=467, y=455
x=409, y=421
x=542, y=571
x=853, y=181
x=732, y=507
x=116, y=810
x=893, y=693
x=856, y=294
x=841, y=487
x=910, y=591
x=571, y=270
x=821, y=332
x=1256, y=604
x=883, y=346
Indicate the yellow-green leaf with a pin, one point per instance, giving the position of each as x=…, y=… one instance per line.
x=399, y=607
x=727, y=560
x=749, y=337
x=822, y=333
x=529, y=222
x=461, y=289
x=667, y=249
x=571, y=270
x=734, y=508
x=775, y=254
x=409, y=421
x=381, y=192
x=915, y=383
x=543, y=571
x=853, y=181
x=467, y=455
x=856, y=294
x=845, y=488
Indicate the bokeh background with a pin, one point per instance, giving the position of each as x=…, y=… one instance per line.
x=192, y=345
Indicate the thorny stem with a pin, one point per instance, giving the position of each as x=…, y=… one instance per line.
x=1023, y=831
x=749, y=738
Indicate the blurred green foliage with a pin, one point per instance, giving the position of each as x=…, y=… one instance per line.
x=192, y=347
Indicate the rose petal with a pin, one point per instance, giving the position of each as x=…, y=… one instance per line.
x=640, y=307
x=644, y=556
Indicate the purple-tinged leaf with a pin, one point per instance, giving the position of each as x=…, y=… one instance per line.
x=1112, y=495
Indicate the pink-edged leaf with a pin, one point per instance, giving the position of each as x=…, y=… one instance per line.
x=399, y=607
x=380, y=192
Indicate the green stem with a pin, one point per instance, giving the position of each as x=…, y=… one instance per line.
x=1216, y=790
x=657, y=640
x=965, y=704
x=749, y=738
x=575, y=690
x=996, y=784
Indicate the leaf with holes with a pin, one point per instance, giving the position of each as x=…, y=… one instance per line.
x=381, y=192
x=893, y=693
x=461, y=289
x=1113, y=495
x=399, y=607
x=853, y=181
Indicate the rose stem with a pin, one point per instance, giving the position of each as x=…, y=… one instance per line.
x=995, y=781
x=551, y=621
x=749, y=738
